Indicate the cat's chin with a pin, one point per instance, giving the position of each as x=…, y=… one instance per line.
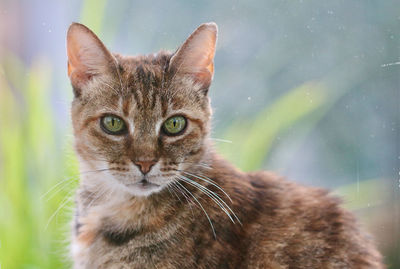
x=143, y=188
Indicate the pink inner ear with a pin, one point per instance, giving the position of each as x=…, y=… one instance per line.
x=78, y=72
x=74, y=63
x=72, y=51
x=196, y=55
x=87, y=56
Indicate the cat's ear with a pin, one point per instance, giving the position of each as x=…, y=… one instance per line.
x=195, y=57
x=87, y=55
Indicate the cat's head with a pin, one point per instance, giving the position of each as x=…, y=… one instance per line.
x=139, y=121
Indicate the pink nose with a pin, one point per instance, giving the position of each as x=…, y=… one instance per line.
x=145, y=166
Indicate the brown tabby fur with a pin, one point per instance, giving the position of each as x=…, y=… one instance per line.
x=282, y=224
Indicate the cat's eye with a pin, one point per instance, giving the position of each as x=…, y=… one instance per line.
x=174, y=125
x=112, y=125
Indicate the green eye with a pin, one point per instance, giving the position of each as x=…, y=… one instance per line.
x=112, y=125
x=174, y=125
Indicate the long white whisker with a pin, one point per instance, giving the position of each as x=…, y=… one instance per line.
x=56, y=186
x=210, y=194
x=64, y=186
x=70, y=179
x=171, y=190
x=208, y=217
x=210, y=181
x=179, y=190
x=204, y=165
x=222, y=140
x=63, y=203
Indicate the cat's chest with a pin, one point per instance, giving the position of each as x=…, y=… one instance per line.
x=102, y=241
x=173, y=245
x=139, y=250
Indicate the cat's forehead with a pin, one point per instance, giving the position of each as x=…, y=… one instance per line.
x=144, y=84
x=147, y=78
x=143, y=81
x=146, y=71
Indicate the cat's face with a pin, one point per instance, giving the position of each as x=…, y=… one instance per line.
x=139, y=121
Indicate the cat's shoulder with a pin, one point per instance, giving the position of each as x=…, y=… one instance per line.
x=314, y=209
x=308, y=224
x=292, y=192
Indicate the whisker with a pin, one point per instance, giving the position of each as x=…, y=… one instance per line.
x=222, y=140
x=190, y=202
x=56, y=186
x=210, y=181
x=194, y=197
x=95, y=197
x=171, y=190
x=59, y=190
x=59, y=186
x=63, y=203
x=204, y=165
x=94, y=171
x=210, y=194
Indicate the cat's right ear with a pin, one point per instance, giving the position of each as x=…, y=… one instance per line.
x=195, y=58
x=87, y=56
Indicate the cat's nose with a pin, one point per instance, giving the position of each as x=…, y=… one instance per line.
x=145, y=166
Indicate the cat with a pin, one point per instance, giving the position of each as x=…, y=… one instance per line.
x=154, y=193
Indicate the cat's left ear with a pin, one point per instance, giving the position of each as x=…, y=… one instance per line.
x=195, y=57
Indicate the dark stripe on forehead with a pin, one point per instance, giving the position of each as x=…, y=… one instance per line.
x=126, y=106
x=164, y=105
x=154, y=99
x=147, y=76
x=136, y=97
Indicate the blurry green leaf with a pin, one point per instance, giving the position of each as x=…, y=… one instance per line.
x=93, y=13
x=363, y=194
x=253, y=138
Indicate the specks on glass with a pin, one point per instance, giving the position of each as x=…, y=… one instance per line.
x=309, y=96
x=390, y=64
x=44, y=24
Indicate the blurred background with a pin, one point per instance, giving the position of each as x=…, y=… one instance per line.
x=309, y=89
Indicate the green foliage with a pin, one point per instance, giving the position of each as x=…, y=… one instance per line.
x=31, y=163
x=92, y=14
x=252, y=139
x=38, y=171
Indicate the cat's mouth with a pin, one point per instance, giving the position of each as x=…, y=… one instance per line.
x=145, y=184
x=143, y=187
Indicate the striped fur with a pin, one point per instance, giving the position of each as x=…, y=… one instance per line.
x=188, y=220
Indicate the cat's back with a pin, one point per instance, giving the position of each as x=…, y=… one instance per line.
x=293, y=226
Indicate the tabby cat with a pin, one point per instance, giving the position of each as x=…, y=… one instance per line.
x=153, y=192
